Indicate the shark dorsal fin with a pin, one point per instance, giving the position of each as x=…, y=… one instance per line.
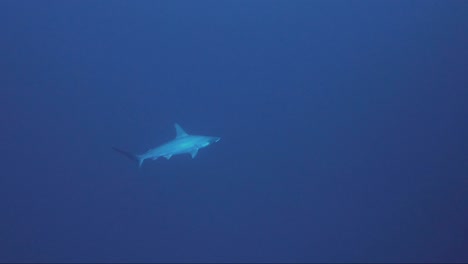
x=179, y=131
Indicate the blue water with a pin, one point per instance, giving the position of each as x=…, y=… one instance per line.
x=344, y=131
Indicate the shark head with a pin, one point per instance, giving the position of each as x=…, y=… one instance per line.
x=214, y=139
x=206, y=141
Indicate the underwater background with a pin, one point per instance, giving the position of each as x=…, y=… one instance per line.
x=343, y=125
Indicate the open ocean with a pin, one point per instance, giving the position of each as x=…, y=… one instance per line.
x=343, y=125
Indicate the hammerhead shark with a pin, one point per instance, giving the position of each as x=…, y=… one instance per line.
x=181, y=144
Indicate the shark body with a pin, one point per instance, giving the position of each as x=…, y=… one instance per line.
x=183, y=143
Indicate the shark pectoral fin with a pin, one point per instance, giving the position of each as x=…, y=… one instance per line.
x=194, y=153
x=168, y=156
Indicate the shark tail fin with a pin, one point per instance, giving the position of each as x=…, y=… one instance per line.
x=131, y=156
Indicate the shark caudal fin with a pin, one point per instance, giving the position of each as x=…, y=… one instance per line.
x=131, y=156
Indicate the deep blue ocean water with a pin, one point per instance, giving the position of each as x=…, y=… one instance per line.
x=344, y=129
